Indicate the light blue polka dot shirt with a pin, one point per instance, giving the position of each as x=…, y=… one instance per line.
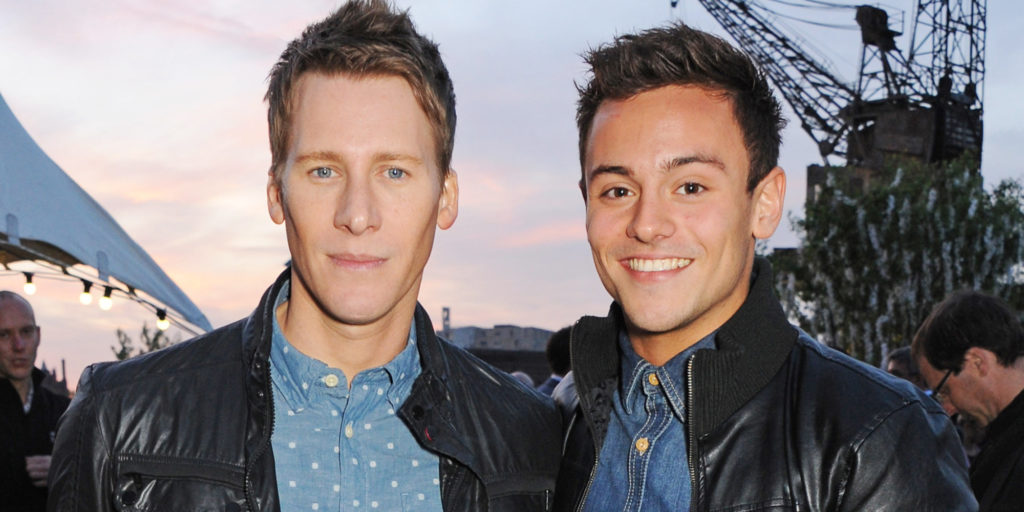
x=337, y=448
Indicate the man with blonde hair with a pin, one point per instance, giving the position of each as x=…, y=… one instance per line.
x=335, y=394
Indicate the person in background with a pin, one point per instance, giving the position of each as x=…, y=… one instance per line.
x=28, y=411
x=695, y=392
x=335, y=394
x=523, y=377
x=557, y=353
x=900, y=363
x=971, y=353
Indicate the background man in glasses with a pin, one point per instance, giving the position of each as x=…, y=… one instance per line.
x=971, y=352
x=28, y=412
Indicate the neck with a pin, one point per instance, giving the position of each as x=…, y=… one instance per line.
x=1010, y=384
x=660, y=348
x=350, y=348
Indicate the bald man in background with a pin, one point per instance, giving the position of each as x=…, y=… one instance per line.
x=28, y=412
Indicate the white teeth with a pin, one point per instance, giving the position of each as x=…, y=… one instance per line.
x=640, y=265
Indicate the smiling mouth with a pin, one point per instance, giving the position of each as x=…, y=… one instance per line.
x=659, y=265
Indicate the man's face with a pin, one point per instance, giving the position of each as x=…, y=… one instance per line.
x=958, y=395
x=360, y=196
x=669, y=219
x=19, y=340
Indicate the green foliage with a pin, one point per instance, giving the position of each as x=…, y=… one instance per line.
x=874, y=262
x=149, y=341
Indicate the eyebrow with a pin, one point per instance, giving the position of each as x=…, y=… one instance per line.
x=331, y=156
x=608, y=169
x=666, y=166
x=699, y=158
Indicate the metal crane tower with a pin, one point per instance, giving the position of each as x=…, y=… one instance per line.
x=925, y=103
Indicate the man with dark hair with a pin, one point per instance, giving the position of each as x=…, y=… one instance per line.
x=971, y=352
x=695, y=392
x=28, y=411
x=900, y=363
x=557, y=354
x=335, y=394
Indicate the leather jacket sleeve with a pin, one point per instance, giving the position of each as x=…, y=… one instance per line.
x=913, y=460
x=80, y=466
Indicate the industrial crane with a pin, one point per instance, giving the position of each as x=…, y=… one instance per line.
x=925, y=103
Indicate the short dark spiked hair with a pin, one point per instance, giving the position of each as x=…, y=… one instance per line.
x=680, y=55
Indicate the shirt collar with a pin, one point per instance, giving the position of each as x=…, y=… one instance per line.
x=634, y=369
x=27, y=406
x=301, y=378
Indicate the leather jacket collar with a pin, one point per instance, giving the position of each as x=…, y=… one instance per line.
x=752, y=346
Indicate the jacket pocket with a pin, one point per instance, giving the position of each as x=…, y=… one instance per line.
x=521, y=493
x=156, y=484
x=526, y=502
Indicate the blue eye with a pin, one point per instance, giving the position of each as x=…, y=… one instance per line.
x=323, y=172
x=395, y=173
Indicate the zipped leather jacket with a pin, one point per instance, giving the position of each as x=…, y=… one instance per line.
x=776, y=421
x=189, y=427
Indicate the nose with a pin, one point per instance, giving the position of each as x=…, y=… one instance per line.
x=357, y=210
x=18, y=342
x=651, y=219
x=948, y=406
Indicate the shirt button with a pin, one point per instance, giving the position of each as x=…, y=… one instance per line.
x=642, y=444
x=652, y=378
x=349, y=431
x=331, y=380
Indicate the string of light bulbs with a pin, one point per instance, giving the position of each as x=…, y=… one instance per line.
x=105, y=302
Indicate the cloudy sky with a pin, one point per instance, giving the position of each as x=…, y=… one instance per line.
x=155, y=108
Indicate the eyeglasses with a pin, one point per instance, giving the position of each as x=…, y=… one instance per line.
x=937, y=392
x=26, y=332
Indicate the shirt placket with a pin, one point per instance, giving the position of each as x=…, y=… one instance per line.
x=658, y=419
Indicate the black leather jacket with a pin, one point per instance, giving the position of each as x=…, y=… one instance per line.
x=188, y=428
x=776, y=421
x=22, y=435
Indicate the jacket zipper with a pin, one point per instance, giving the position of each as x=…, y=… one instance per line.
x=250, y=500
x=593, y=473
x=572, y=422
x=691, y=446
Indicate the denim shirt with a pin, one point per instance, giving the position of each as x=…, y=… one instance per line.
x=643, y=461
x=337, y=448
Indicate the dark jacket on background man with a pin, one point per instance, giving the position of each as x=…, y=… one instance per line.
x=189, y=427
x=22, y=435
x=778, y=421
x=997, y=475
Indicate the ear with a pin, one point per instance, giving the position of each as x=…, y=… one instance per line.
x=980, y=361
x=275, y=202
x=769, y=196
x=448, y=204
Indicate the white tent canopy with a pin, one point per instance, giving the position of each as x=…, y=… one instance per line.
x=47, y=218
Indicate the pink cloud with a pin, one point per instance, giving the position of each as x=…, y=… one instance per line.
x=552, y=233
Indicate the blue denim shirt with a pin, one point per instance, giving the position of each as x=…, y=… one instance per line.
x=337, y=448
x=643, y=461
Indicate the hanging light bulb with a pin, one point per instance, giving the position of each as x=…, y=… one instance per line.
x=162, y=322
x=85, y=297
x=30, y=287
x=105, y=301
